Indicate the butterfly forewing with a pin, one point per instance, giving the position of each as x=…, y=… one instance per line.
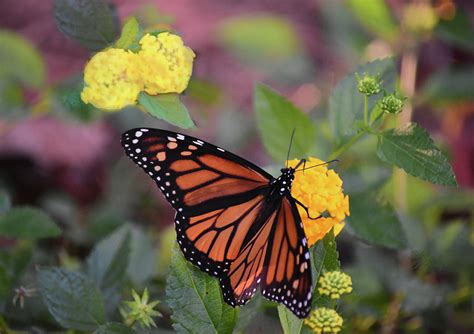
x=216, y=194
x=224, y=222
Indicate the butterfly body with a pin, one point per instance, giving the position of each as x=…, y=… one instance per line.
x=233, y=220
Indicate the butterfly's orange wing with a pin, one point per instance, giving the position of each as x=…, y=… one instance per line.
x=224, y=221
x=287, y=277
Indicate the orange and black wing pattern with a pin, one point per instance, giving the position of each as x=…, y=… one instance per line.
x=218, y=196
x=287, y=278
x=224, y=222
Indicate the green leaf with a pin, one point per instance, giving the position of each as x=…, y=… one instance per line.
x=248, y=314
x=290, y=323
x=412, y=149
x=167, y=107
x=276, y=120
x=142, y=257
x=107, y=264
x=458, y=31
x=72, y=101
x=259, y=37
x=375, y=222
x=89, y=22
x=13, y=262
x=114, y=328
x=196, y=300
x=5, y=202
x=346, y=104
x=71, y=298
x=445, y=246
x=27, y=223
x=20, y=61
x=418, y=296
x=325, y=256
x=449, y=85
x=374, y=16
x=130, y=30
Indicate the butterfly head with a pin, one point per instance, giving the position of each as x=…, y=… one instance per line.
x=284, y=181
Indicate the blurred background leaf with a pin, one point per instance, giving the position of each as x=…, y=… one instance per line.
x=458, y=30
x=277, y=118
x=260, y=37
x=20, y=61
x=27, y=223
x=107, y=265
x=92, y=23
x=375, y=222
x=114, y=328
x=5, y=202
x=449, y=85
x=71, y=298
x=375, y=16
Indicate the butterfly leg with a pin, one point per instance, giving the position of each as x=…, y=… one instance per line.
x=306, y=209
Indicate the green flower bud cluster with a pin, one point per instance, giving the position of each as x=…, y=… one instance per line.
x=368, y=85
x=139, y=310
x=392, y=103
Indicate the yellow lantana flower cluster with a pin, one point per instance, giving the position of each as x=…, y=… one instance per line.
x=114, y=77
x=324, y=320
x=166, y=64
x=320, y=190
x=334, y=284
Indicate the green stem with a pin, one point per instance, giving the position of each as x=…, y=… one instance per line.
x=336, y=153
x=366, y=110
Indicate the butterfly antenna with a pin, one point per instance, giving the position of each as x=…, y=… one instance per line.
x=289, y=148
x=321, y=164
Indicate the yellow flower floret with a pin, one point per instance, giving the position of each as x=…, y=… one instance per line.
x=334, y=284
x=324, y=320
x=320, y=190
x=112, y=79
x=166, y=63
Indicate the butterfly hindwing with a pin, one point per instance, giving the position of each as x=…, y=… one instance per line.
x=245, y=273
x=287, y=277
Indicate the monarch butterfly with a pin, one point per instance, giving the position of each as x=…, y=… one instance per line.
x=233, y=220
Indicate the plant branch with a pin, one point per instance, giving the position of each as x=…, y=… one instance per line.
x=366, y=110
x=341, y=149
x=407, y=83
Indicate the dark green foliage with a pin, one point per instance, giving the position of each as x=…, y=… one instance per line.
x=27, y=223
x=196, y=300
x=114, y=328
x=72, y=298
x=375, y=222
x=91, y=23
x=412, y=149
